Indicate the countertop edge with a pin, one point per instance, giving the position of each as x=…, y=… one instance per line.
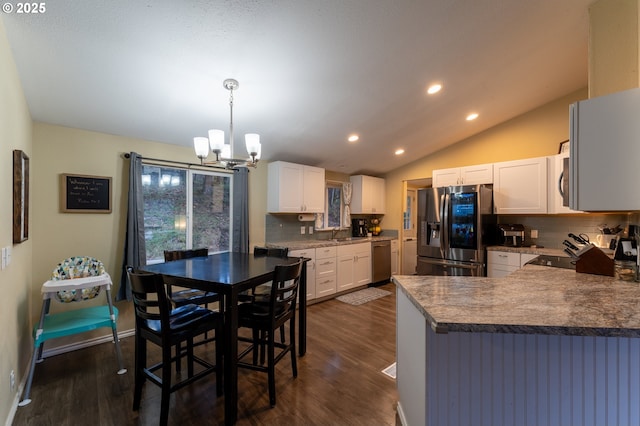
x=559, y=330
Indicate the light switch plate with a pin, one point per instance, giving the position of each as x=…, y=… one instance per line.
x=310, y=229
x=4, y=258
x=302, y=230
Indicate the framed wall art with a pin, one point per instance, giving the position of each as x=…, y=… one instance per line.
x=20, y=196
x=564, y=147
x=85, y=194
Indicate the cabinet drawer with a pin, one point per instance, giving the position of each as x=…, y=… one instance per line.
x=325, y=252
x=326, y=286
x=503, y=258
x=308, y=253
x=325, y=267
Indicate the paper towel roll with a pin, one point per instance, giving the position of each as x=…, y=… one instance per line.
x=306, y=217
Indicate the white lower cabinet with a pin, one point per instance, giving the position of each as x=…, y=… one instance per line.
x=353, y=265
x=325, y=271
x=502, y=263
x=311, y=269
x=394, y=257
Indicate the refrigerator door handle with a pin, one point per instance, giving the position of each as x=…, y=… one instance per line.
x=444, y=214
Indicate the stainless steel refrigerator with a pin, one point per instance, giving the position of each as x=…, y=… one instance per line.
x=455, y=224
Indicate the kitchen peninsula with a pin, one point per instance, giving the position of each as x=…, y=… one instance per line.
x=542, y=346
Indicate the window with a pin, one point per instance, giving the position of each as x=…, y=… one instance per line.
x=333, y=206
x=185, y=209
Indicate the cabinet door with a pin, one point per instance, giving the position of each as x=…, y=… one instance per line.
x=313, y=191
x=344, y=275
x=446, y=177
x=475, y=175
x=362, y=264
x=368, y=195
x=311, y=269
x=520, y=186
x=378, y=195
x=285, y=187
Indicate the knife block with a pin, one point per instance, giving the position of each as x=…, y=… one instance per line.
x=594, y=261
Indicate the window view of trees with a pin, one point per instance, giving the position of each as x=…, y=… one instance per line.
x=185, y=209
x=334, y=205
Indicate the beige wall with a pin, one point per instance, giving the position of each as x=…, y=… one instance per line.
x=16, y=279
x=534, y=134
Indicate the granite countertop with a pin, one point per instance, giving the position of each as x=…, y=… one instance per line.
x=529, y=250
x=532, y=300
x=306, y=244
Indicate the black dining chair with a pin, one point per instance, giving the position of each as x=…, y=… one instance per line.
x=262, y=289
x=189, y=296
x=158, y=323
x=264, y=316
x=186, y=296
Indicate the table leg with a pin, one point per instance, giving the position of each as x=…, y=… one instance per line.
x=231, y=359
x=302, y=312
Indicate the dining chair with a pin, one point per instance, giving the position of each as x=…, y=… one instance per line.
x=186, y=296
x=189, y=296
x=158, y=323
x=263, y=289
x=75, y=279
x=266, y=315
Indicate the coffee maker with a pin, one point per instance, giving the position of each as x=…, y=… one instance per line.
x=359, y=227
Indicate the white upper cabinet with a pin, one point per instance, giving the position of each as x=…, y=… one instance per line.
x=468, y=175
x=367, y=195
x=295, y=188
x=520, y=186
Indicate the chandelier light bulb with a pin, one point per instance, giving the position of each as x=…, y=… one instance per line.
x=201, y=145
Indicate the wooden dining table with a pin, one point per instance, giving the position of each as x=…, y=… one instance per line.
x=229, y=274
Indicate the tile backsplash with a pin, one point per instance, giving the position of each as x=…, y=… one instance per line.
x=286, y=227
x=553, y=229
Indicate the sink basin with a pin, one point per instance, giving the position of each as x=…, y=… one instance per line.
x=339, y=240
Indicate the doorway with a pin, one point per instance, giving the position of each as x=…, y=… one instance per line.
x=409, y=223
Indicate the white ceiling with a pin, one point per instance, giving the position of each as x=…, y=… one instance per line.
x=310, y=72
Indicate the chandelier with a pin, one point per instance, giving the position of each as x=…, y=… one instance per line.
x=224, y=152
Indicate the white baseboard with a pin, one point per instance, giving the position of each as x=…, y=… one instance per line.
x=86, y=343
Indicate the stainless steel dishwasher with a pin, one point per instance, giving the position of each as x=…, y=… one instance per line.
x=380, y=261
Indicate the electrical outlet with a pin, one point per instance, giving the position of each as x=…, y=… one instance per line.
x=12, y=380
x=302, y=229
x=534, y=233
x=310, y=229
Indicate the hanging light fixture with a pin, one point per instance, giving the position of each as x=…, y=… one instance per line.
x=224, y=152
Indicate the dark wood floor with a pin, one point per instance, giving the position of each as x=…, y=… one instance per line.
x=339, y=380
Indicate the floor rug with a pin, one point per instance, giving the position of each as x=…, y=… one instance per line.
x=390, y=371
x=363, y=296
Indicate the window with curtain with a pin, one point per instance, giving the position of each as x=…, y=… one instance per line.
x=334, y=205
x=185, y=209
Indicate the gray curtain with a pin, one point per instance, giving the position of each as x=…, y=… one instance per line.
x=241, y=210
x=134, y=245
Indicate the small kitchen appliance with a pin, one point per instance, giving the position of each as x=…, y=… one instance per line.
x=513, y=234
x=359, y=227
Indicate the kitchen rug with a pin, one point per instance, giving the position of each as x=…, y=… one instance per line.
x=363, y=296
x=390, y=371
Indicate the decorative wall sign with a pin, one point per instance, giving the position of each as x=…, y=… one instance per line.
x=20, y=196
x=85, y=194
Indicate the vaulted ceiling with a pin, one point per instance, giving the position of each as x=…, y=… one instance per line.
x=311, y=72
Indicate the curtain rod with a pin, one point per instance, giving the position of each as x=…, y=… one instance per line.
x=189, y=165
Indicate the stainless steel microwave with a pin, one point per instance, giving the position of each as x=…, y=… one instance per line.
x=563, y=183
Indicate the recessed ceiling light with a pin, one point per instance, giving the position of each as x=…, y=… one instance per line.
x=353, y=138
x=434, y=88
x=399, y=151
x=472, y=116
